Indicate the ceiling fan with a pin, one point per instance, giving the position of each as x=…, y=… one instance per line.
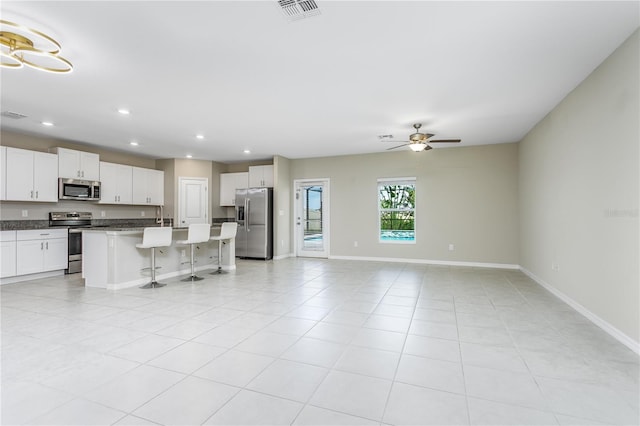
x=418, y=141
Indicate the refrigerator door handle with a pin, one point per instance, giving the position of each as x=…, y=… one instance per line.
x=247, y=214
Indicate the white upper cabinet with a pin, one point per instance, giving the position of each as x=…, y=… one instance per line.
x=3, y=172
x=31, y=175
x=78, y=164
x=148, y=186
x=261, y=176
x=229, y=182
x=116, y=183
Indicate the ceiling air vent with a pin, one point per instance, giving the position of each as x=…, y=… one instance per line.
x=11, y=114
x=298, y=9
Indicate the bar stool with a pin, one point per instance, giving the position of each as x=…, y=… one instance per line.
x=153, y=238
x=198, y=233
x=228, y=231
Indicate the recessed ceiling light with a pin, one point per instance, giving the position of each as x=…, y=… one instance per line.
x=189, y=156
x=124, y=111
x=199, y=136
x=246, y=151
x=47, y=123
x=134, y=143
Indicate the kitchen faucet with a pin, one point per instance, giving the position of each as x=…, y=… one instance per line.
x=160, y=217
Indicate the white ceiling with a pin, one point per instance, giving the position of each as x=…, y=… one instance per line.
x=245, y=77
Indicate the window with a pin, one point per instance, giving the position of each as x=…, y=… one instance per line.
x=397, y=210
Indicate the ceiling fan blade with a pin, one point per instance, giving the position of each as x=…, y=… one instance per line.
x=428, y=148
x=399, y=146
x=446, y=141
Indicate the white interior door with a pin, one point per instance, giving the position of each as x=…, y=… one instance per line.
x=193, y=201
x=312, y=218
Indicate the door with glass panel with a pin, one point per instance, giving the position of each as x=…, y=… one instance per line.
x=312, y=218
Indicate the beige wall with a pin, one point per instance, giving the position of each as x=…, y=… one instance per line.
x=466, y=196
x=282, y=206
x=579, y=186
x=38, y=143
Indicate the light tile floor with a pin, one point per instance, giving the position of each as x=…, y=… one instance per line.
x=304, y=342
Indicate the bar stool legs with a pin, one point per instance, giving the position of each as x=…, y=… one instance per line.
x=193, y=276
x=152, y=238
x=153, y=283
x=219, y=270
x=227, y=232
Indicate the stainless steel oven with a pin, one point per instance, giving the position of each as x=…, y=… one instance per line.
x=75, y=221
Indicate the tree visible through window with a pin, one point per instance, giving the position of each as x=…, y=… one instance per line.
x=397, y=210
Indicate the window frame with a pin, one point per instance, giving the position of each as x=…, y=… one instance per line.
x=397, y=181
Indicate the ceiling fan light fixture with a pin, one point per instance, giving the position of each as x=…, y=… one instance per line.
x=418, y=146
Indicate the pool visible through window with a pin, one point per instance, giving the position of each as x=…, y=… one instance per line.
x=397, y=210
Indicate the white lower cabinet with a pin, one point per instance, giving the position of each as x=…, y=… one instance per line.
x=41, y=250
x=7, y=254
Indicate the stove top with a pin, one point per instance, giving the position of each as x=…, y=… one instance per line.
x=70, y=219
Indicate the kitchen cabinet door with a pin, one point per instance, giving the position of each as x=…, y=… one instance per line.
x=148, y=186
x=261, y=176
x=31, y=176
x=55, y=254
x=78, y=164
x=19, y=175
x=90, y=165
x=41, y=250
x=116, y=183
x=3, y=172
x=45, y=177
x=29, y=256
x=155, y=182
x=7, y=254
x=229, y=182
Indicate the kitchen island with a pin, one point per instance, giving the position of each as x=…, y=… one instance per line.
x=111, y=260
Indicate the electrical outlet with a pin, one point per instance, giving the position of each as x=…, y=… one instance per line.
x=25, y=213
x=142, y=213
x=103, y=213
x=355, y=244
x=555, y=266
x=183, y=253
x=451, y=247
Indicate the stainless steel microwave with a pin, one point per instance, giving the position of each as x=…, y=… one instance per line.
x=77, y=189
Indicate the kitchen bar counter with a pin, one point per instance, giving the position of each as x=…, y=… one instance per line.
x=111, y=260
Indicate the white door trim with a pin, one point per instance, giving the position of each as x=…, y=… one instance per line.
x=326, y=220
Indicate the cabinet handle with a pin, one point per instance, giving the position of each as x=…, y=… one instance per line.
x=78, y=173
x=36, y=195
x=83, y=173
x=31, y=194
x=47, y=244
x=42, y=246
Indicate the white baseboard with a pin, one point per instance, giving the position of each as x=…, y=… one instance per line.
x=430, y=262
x=608, y=328
x=20, y=278
x=283, y=256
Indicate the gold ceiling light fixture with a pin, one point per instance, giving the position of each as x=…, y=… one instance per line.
x=21, y=46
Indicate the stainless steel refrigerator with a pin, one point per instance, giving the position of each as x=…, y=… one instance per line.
x=254, y=214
